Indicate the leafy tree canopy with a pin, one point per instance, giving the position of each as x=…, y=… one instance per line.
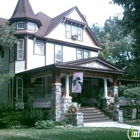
x=7, y=41
x=117, y=47
x=130, y=22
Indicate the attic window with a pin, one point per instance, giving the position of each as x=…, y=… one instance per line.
x=20, y=25
x=74, y=32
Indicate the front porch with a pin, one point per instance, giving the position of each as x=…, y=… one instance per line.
x=50, y=86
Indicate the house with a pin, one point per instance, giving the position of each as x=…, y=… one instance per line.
x=48, y=52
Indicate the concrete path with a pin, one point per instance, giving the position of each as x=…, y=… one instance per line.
x=111, y=124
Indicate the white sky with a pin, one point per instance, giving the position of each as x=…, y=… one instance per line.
x=96, y=11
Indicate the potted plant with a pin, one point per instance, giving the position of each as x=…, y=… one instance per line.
x=116, y=101
x=74, y=108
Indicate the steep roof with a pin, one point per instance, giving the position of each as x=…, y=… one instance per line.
x=24, y=11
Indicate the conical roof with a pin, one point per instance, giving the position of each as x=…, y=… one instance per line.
x=24, y=11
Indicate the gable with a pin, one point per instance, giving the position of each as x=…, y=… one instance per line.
x=96, y=64
x=75, y=16
x=93, y=63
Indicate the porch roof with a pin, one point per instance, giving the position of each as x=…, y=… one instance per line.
x=94, y=64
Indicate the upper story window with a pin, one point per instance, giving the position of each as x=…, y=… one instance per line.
x=86, y=54
x=31, y=26
x=58, y=53
x=74, y=32
x=79, y=54
x=20, y=49
x=82, y=54
x=39, y=48
x=20, y=25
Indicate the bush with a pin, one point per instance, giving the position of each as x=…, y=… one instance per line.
x=29, y=117
x=45, y=124
x=48, y=124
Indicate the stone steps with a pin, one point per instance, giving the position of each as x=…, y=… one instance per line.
x=94, y=114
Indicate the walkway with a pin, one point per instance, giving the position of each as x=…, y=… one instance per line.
x=111, y=124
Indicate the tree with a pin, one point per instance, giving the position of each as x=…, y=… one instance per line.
x=7, y=41
x=117, y=47
x=130, y=23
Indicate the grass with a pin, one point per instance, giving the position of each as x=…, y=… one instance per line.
x=77, y=133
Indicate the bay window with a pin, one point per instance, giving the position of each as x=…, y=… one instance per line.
x=20, y=49
x=20, y=25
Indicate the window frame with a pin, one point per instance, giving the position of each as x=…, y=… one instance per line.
x=81, y=54
x=20, y=28
x=19, y=88
x=33, y=28
x=72, y=32
x=18, y=49
x=88, y=54
x=35, y=49
x=61, y=55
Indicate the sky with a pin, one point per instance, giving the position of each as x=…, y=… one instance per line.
x=96, y=11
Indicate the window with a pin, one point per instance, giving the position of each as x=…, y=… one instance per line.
x=11, y=54
x=86, y=54
x=82, y=54
x=79, y=54
x=19, y=92
x=39, y=48
x=20, y=49
x=20, y=25
x=31, y=26
x=1, y=54
x=58, y=53
x=74, y=32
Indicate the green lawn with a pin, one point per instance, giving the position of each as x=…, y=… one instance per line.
x=77, y=133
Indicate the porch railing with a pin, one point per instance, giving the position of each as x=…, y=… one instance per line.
x=42, y=103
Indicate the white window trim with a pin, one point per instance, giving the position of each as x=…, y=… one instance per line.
x=18, y=26
x=74, y=34
x=58, y=60
x=82, y=54
x=35, y=50
x=88, y=53
x=20, y=49
x=31, y=26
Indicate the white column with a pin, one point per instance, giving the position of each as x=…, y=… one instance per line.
x=67, y=85
x=105, y=88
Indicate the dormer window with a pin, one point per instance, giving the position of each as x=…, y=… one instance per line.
x=74, y=32
x=20, y=25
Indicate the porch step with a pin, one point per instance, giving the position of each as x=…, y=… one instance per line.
x=94, y=114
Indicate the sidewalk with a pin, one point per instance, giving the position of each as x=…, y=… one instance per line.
x=111, y=124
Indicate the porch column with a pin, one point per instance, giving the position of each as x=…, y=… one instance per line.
x=115, y=86
x=105, y=88
x=56, y=110
x=67, y=85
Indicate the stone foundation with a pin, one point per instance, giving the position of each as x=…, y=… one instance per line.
x=75, y=119
x=56, y=101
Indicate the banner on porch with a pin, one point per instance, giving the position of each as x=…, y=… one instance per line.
x=77, y=82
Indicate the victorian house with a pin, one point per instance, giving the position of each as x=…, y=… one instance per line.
x=48, y=52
